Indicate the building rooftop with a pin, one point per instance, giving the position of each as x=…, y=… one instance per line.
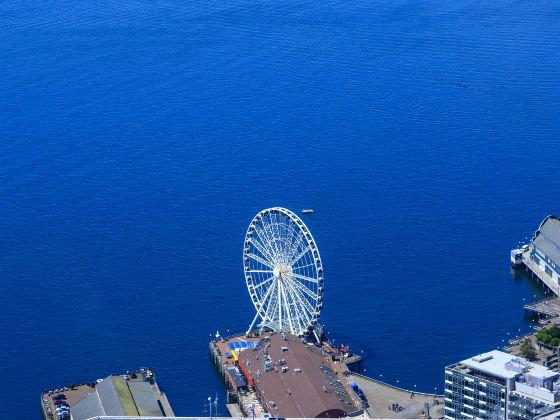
x=505, y=365
x=296, y=379
x=135, y=394
x=116, y=396
x=547, y=238
x=493, y=362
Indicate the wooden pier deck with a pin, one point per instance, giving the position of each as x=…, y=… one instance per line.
x=546, y=307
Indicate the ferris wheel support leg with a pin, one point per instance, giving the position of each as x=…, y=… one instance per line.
x=252, y=323
x=316, y=336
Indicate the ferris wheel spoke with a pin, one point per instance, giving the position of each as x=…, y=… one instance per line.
x=279, y=242
x=269, y=230
x=305, y=290
x=287, y=307
x=261, y=284
x=282, y=251
x=290, y=300
x=301, y=324
x=262, y=249
x=303, y=266
x=305, y=305
x=284, y=257
x=274, y=227
x=296, y=245
x=266, y=295
x=267, y=247
x=288, y=241
x=302, y=277
x=299, y=304
x=276, y=234
x=271, y=306
x=279, y=296
x=300, y=255
x=270, y=242
x=303, y=302
x=261, y=260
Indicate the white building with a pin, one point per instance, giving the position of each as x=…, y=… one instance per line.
x=545, y=250
x=497, y=385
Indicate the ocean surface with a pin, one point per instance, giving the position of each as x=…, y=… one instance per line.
x=139, y=138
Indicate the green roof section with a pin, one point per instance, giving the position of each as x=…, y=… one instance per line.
x=125, y=397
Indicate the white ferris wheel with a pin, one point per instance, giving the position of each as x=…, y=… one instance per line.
x=283, y=272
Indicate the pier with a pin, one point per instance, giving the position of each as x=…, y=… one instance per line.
x=279, y=374
x=546, y=307
x=541, y=257
x=538, y=272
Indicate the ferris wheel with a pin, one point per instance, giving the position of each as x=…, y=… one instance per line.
x=283, y=272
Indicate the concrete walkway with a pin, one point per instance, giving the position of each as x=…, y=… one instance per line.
x=381, y=397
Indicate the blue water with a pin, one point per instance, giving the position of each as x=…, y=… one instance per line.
x=140, y=137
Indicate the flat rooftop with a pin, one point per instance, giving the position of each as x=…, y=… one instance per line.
x=291, y=378
x=495, y=361
x=301, y=381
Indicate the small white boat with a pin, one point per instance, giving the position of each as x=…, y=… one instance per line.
x=307, y=211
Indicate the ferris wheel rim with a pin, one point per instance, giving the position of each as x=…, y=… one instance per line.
x=274, y=273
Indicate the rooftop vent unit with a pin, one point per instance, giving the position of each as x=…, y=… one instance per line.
x=481, y=358
x=517, y=365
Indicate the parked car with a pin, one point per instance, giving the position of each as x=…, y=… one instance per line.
x=60, y=402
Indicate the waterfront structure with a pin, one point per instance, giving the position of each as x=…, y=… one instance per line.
x=497, y=385
x=285, y=376
x=545, y=249
x=132, y=394
x=516, y=256
x=542, y=256
x=283, y=272
x=286, y=366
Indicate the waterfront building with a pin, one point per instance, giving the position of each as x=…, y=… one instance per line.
x=117, y=396
x=545, y=250
x=497, y=385
x=132, y=395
